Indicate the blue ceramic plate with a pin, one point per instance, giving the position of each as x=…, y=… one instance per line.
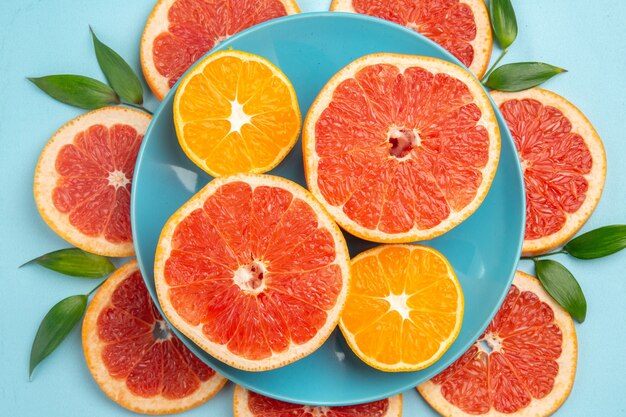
x=309, y=49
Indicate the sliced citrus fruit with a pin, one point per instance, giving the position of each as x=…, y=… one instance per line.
x=401, y=148
x=236, y=112
x=253, y=270
x=404, y=307
x=179, y=32
x=251, y=404
x=134, y=357
x=460, y=26
x=563, y=161
x=523, y=365
x=83, y=179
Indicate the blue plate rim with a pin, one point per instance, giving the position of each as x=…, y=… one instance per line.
x=333, y=15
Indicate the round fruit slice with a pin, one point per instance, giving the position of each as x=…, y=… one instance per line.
x=563, y=161
x=404, y=307
x=401, y=148
x=134, y=357
x=253, y=270
x=251, y=404
x=179, y=32
x=523, y=365
x=236, y=112
x=83, y=179
x=460, y=26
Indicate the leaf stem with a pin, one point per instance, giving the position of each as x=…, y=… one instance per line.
x=543, y=255
x=96, y=287
x=139, y=106
x=493, y=67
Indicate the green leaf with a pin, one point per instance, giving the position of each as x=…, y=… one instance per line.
x=117, y=72
x=53, y=329
x=563, y=287
x=598, y=243
x=77, y=90
x=75, y=262
x=521, y=76
x=503, y=22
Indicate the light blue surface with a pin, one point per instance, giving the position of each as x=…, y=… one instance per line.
x=38, y=38
x=484, y=250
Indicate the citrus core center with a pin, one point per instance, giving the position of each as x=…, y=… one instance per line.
x=161, y=332
x=250, y=277
x=238, y=116
x=402, y=140
x=118, y=179
x=398, y=302
x=490, y=343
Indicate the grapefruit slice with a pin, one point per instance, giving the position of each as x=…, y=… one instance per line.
x=404, y=307
x=251, y=404
x=179, y=32
x=400, y=148
x=461, y=26
x=563, y=161
x=523, y=365
x=253, y=270
x=236, y=112
x=83, y=179
x=134, y=357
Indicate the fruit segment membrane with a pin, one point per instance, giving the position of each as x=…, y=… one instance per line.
x=254, y=269
x=94, y=180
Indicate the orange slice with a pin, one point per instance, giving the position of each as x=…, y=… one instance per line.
x=236, y=112
x=401, y=148
x=179, y=32
x=404, y=307
x=84, y=176
x=563, y=161
x=253, y=270
x=134, y=357
x=523, y=365
x=460, y=26
x=251, y=404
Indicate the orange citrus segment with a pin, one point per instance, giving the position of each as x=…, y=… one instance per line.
x=236, y=112
x=523, y=365
x=250, y=404
x=563, y=161
x=179, y=32
x=83, y=179
x=404, y=307
x=400, y=148
x=134, y=357
x=253, y=270
x=460, y=26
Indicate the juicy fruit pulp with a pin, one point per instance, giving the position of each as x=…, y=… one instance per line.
x=251, y=404
x=134, y=356
x=193, y=27
x=95, y=173
x=404, y=307
x=516, y=362
x=254, y=271
x=450, y=23
x=402, y=147
x=236, y=112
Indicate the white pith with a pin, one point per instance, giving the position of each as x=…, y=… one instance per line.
x=118, y=179
x=220, y=351
x=595, y=178
x=238, y=117
x=566, y=362
x=398, y=303
x=115, y=388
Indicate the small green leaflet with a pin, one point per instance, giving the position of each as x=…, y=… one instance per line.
x=55, y=326
x=77, y=90
x=598, y=243
x=503, y=22
x=75, y=262
x=563, y=287
x=118, y=73
x=521, y=76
